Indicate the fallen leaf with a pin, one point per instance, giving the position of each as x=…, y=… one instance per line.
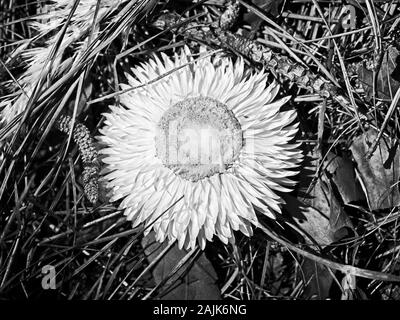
x=310, y=221
x=318, y=280
x=348, y=286
x=318, y=210
x=378, y=175
x=318, y=213
x=341, y=169
x=269, y=6
x=196, y=281
x=387, y=79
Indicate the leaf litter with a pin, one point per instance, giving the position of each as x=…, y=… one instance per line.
x=338, y=237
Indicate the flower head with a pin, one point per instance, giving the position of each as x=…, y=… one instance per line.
x=198, y=148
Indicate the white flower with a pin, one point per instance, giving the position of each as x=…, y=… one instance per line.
x=195, y=153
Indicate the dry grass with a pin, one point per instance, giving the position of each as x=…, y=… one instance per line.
x=46, y=220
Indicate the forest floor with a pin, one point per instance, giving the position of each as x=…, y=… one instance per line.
x=338, y=236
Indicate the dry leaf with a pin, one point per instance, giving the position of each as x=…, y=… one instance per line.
x=387, y=78
x=269, y=6
x=380, y=174
x=318, y=280
x=192, y=282
x=310, y=221
x=343, y=176
x=348, y=286
x=319, y=212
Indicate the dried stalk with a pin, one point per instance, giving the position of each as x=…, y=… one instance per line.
x=280, y=65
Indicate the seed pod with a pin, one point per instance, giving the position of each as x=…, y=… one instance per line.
x=88, y=152
x=230, y=15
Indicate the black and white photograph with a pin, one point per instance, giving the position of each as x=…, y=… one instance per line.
x=198, y=155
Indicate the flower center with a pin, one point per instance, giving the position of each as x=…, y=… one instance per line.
x=198, y=137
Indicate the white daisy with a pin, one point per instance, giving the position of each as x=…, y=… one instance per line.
x=199, y=151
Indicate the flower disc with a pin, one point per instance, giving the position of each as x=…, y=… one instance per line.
x=198, y=137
